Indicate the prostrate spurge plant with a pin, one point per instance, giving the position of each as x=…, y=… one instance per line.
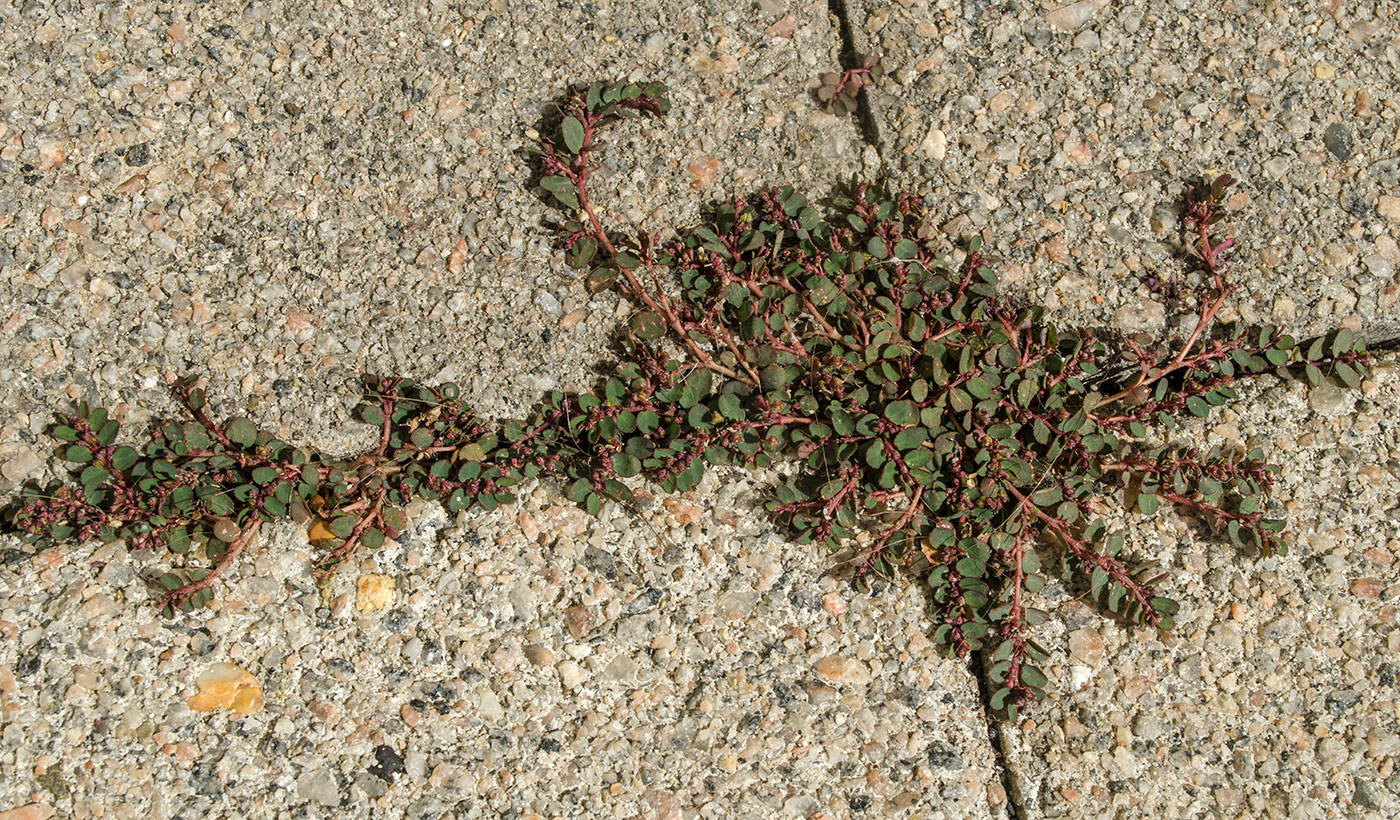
x=936, y=427
x=839, y=92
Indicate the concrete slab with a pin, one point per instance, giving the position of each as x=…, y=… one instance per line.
x=1276, y=695
x=284, y=195
x=1063, y=133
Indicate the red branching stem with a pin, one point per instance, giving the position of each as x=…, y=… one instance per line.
x=578, y=173
x=857, y=76
x=386, y=408
x=375, y=513
x=1014, y=629
x=1200, y=213
x=182, y=392
x=894, y=529
x=180, y=594
x=1086, y=554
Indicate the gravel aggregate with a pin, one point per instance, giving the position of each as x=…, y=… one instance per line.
x=284, y=196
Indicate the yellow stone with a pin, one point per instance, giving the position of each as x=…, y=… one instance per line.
x=1389, y=206
x=227, y=686
x=373, y=592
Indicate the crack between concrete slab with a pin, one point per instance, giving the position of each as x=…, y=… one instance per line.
x=978, y=666
x=865, y=117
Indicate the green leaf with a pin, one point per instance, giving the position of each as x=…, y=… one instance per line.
x=911, y=438
x=371, y=414
x=906, y=249
x=77, y=454
x=1347, y=374
x=124, y=457
x=842, y=423
x=221, y=501
x=568, y=198
x=775, y=377
x=572, y=131
x=583, y=252
x=178, y=540
x=1031, y=676
x=107, y=433
x=264, y=475
x=730, y=407
x=1197, y=406
x=1343, y=342
x=970, y=567
x=626, y=465
x=940, y=537
x=93, y=476
x=876, y=247
x=343, y=525
x=875, y=453
x=699, y=417
x=241, y=432
x=979, y=387
x=701, y=381
x=64, y=433
x=556, y=183
x=901, y=412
